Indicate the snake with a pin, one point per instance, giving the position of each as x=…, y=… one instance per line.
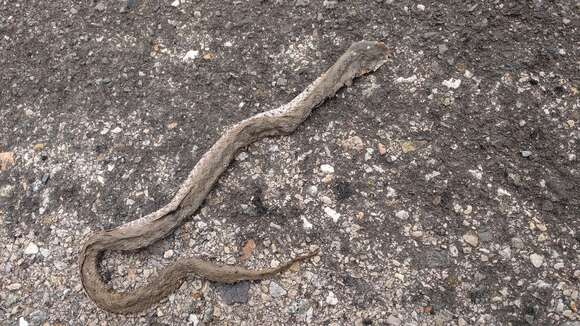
x=359, y=59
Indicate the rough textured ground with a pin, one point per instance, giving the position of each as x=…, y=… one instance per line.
x=451, y=195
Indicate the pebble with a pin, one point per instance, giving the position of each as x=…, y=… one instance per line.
x=312, y=190
x=326, y=169
x=537, y=260
x=6, y=160
x=242, y=156
x=353, y=143
x=31, y=249
x=302, y=3
x=330, y=4
x=421, y=7
x=517, y=243
x=442, y=48
x=276, y=290
x=404, y=80
x=331, y=299
x=453, y=251
x=393, y=321
x=131, y=4
x=22, y=322
x=408, y=146
x=193, y=319
x=506, y=253
x=332, y=214
x=168, y=254
x=190, y=55
x=326, y=200
x=235, y=293
x=100, y=6
x=306, y=224
x=14, y=286
x=117, y=130
x=382, y=149
x=452, y=83
x=526, y=153
x=6, y=191
x=403, y=215
x=471, y=239
x=417, y=234
x=38, y=317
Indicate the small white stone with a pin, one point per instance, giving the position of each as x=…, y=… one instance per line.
x=403, y=215
x=503, y=192
x=326, y=169
x=168, y=254
x=242, y=156
x=326, y=200
x=452, y=83
x=332, y=214
x=537, y=260
x=22, y=322
x=117, y=130
x=476, y=174
x=471, y=239
x=416, y=234
x=306, y=224
x=31, y=249
x=432, y=175
x=453, y=251
x=331, y=299
x=558, y=266
x=421, y=7
x=393, y=321
x=176, y=3
x=506, y=253
x=44, y=252
x=391, y=192
x=228, y=44
x=190, y=55
x=468, y=74
x=193, y=319
x=14, y=286
x=276, y=290
x=406, y=80
x=312, y=190
x=526, y=153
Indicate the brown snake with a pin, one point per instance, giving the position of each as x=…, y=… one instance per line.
x=360, y=58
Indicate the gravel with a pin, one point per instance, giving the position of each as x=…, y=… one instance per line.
x=440, y=190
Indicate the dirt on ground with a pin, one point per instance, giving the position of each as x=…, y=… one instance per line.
x=443, y=189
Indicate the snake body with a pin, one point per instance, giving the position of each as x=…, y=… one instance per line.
x=360, y=58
